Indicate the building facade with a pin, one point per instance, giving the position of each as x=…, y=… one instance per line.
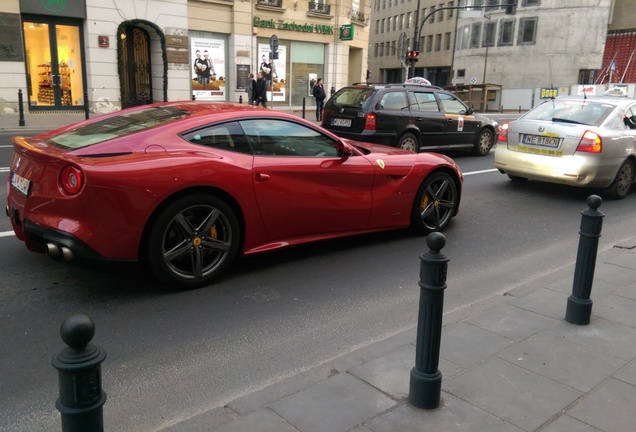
x=426, y=26
x=97, y=57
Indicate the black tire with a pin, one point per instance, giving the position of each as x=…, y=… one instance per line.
x=483, y=144
x=435, y=203
x=622, y=183
x=517, y=179
x=193, y=241
x=408, y=141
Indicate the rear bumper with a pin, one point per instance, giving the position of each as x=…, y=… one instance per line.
x=579, y=169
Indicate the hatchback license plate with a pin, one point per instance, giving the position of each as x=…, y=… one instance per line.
x=20, y=184
x=341, y=122
x=541, y=141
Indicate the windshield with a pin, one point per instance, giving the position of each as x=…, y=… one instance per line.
x=114, y=127
x=355, y=97
x=582, y=111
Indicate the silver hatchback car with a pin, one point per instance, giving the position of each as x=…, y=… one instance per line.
x=573, y=140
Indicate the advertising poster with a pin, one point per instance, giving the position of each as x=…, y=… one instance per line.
x=208, y=69
x=275, y=72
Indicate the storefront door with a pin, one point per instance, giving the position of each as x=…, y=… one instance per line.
x=54, y=63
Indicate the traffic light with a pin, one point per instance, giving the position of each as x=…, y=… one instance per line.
x=511, y=7
x=411, y=56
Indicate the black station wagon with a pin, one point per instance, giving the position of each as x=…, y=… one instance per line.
x=409, y=116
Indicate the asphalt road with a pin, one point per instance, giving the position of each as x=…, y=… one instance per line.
x=174, y=354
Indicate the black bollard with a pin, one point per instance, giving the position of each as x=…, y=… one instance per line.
x=20, y=108
x=240, y=99
x=426, y=379
x=80, y=384
x=579, y=308
x=194, y=97
x=304, y=101
x=86, y=109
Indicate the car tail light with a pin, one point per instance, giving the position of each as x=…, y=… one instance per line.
x=503, y=133
x=369, y=123
x=71, y=179
x=590, y=143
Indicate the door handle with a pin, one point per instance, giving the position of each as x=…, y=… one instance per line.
x=262, y=177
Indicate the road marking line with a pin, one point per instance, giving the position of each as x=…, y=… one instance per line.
x=480, y=172
x=6, y=233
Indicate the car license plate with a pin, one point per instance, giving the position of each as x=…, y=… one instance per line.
x=20, y=184
x=539, y=140
x=541, y=151
x=341, y=122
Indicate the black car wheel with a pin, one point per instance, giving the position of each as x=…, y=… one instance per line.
x=193, y=241
x=623, y=181
x=408, y=141
x=435, y=203
x=484, y=143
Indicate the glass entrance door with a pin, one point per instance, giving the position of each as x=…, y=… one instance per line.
x=54, y=65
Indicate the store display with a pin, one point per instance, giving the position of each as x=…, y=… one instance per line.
x=46, y=92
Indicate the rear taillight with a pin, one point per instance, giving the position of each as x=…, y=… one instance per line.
x=590, y=143
x=369, y=123
x=71, y=179
x=503, y=133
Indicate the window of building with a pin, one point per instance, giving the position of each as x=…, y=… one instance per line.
x=401, y=26
x=447, y=41
x=506, y=32
x=438, y=42
x=531, y=3
x=450, y=11
x=395, y=20
x=475, y=34
x=587, y=76
x=461, y=73
x=393, y=49
x=527, y=31
x=429, y=44
x=432, y=18
x=382, y=49
x=409, y=20
x=465, y=37
x=492, y=4
x=383, y=4
x=441, y=14
x=377, y=26
x=489, y=35
x=382, y=26
x=375, y=50
x=388, y=24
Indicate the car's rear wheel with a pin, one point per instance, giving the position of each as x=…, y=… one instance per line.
x=484, y=142
x=193, y=241
x=408, y=141
x=435, y=203
x=623, y=181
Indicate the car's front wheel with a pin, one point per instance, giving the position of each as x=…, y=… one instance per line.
x=623, y=181
x=408, y=141
x=193, y=241
x=484, y=142
x=435, y=203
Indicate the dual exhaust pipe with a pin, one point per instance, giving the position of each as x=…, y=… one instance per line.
x=59, y=252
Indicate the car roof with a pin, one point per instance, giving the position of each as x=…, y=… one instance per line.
x=614, y=100
x=392, y=85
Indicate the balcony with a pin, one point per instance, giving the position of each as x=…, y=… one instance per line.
x=319, y=8
x=358, y=17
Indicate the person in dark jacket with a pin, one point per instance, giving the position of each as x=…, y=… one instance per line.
x=251, y=89
x=261, y=90
x=320, y=95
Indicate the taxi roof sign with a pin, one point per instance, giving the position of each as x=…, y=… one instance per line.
x=417, y=80
x=616, y=91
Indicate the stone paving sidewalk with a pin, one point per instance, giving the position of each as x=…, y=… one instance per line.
x=509, y=363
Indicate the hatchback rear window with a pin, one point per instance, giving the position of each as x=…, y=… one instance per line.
x=572, y=111
x=354, y=97
x=114, y=127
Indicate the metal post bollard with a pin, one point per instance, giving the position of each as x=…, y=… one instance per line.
x=304, y=107
x=80, y=384
x=240, y=99
x=579, y=308
x=20, y=108
x=426, y=379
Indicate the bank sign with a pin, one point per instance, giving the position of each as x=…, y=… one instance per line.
x=292, y=26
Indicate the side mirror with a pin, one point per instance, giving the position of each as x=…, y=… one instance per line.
x=343, y=150
x=470, y=111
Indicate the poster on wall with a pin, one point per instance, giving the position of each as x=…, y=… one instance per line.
x=208, y=69
x=274, y=71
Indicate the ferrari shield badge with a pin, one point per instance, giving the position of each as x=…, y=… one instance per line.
x=380, y=163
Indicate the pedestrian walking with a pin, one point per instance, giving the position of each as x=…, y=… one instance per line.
x=320, y=95
x=261, y=90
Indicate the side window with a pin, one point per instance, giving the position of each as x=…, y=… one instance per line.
x=630, y=117
x=271, y=137
x=394, y=101
x=424, y=101
x=451, y=104
x=226, y=136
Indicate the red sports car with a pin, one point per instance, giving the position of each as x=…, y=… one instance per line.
x=186, y=187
